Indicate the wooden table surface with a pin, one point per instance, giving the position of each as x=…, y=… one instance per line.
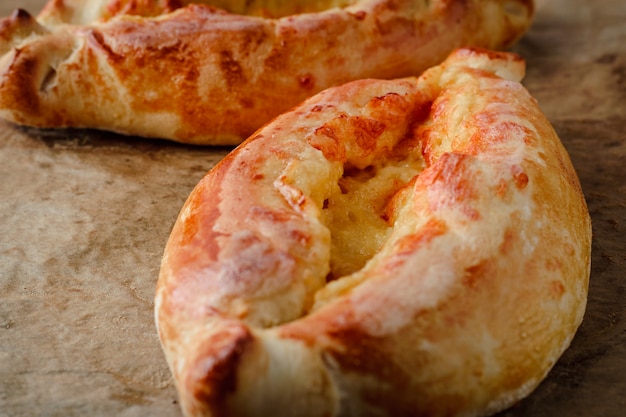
x=84, y=217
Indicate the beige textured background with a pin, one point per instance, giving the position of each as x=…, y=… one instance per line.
x=84, y=217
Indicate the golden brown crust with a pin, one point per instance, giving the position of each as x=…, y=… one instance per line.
x=475, y=285
x=202, y=75
x=83, y=12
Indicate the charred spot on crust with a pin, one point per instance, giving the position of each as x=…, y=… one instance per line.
x=21, y=14
x=520, y=177
x=474, y=274
x=231, y=69
x=307, y=81
x=359, y=15
x=97, y=39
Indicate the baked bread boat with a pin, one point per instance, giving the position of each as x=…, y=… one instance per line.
x=199, y=74
x=419, y=246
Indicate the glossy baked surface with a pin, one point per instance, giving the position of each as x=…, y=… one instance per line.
x=85, y=216
x=390, y=247
x=201, y=75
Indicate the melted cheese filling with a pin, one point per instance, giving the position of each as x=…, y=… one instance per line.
x=357, y=215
